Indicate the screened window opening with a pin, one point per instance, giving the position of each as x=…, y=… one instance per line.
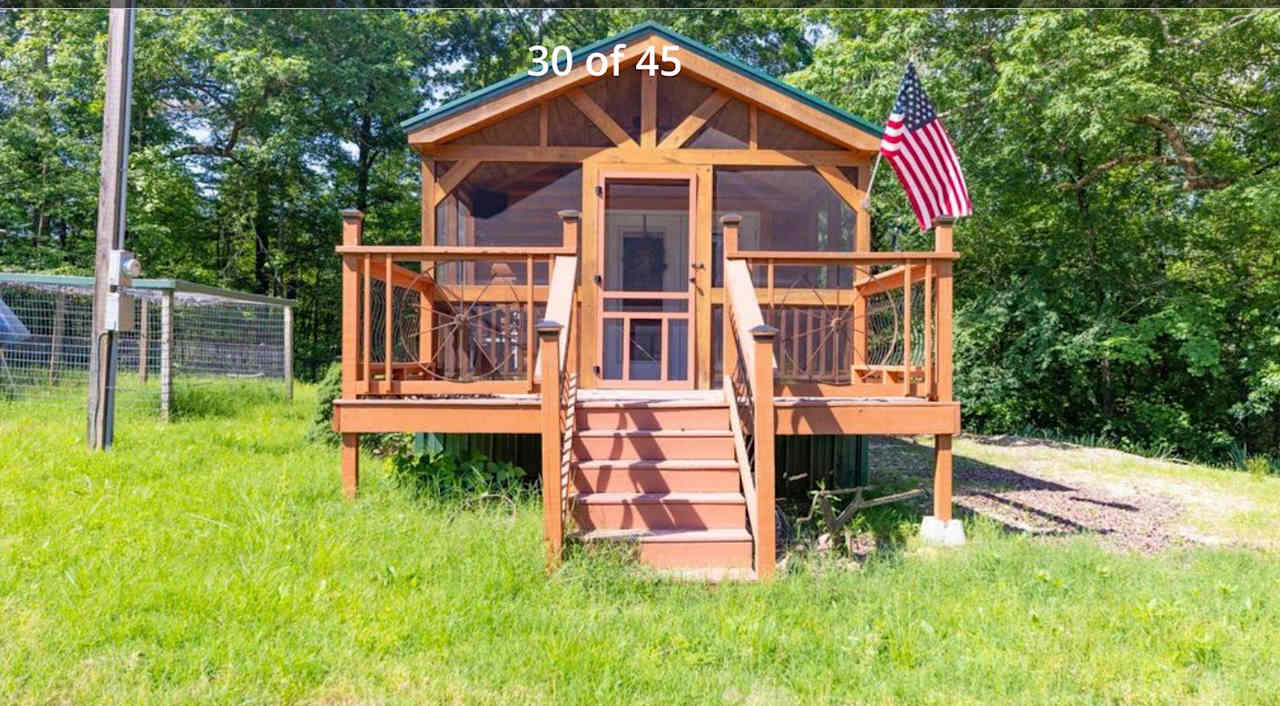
x=507, y=204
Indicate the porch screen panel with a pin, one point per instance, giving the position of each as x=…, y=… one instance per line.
x=619, y=97
x=795, y=209
x=729, y=128
x=507, y=204
x=678, y=96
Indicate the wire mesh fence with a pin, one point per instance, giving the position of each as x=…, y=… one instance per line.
x=185, y=337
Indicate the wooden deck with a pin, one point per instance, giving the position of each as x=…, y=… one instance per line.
x=516, y=413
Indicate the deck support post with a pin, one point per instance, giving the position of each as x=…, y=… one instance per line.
x=941, y=527
x=350, y=465
x=764, y=427
x=552, y=439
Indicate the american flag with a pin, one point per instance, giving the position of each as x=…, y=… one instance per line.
x=921, y=155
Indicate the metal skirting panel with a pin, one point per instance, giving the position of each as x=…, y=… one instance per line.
x=805, y=463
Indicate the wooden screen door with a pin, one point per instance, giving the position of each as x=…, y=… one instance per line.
x=646, y=280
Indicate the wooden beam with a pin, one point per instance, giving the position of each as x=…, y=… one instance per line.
x=352, y=229
x=350, y=465
x=439, y=415
x=658, y=155
x=846, y=189
x=648, y=110
x=549, y=426
x=942, y=477
x=429, y=201
x=703, y=214
x=452, y=178
x=765, y=426
x=866, y=416
x=543, y=125
x=694, y=121
x=753, y=129
x=601, y=119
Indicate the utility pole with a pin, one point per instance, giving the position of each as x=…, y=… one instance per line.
x=110, y=238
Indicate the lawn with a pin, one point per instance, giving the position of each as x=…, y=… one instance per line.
x=212, y=560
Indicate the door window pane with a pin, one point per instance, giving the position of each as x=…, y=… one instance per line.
x=646, y=349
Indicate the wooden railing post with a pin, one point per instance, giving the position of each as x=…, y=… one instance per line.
x=571, y=223
x=549, y=422
x=352, y=231
x=942, y=442
x=764, y=427
x=861, y=273
x=730, y=223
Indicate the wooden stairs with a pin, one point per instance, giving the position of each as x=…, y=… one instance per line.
x=661, y=474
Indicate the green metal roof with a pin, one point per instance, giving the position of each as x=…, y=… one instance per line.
x=507, y=85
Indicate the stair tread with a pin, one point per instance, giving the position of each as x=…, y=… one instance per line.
x=653, y=404
x=666, y=535
x=651, y=432
x=659, y=498
x=695, y=464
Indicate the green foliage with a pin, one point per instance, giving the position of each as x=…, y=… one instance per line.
x=1121, y=269
x=327, y=390
x=443, y=474
x=1259, y=466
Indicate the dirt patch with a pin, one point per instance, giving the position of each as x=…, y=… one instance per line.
x=1030, y=497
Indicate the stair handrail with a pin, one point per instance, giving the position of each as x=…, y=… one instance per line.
x=752, y=360
x=557, y=372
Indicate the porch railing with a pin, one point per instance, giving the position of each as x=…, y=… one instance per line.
x=749, y=387
x=431, y=320
x=855, y=324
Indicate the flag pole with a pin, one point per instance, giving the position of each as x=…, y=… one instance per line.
x=866, y=200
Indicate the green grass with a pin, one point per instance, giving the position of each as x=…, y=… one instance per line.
x=212, y=560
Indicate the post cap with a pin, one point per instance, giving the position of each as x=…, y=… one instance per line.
x=943, y=220
x=547, y=327
x=352, y=213
x=763, y=332
x=730, y=219
x=569, y=214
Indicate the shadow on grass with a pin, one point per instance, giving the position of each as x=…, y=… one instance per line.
x=1041, y=507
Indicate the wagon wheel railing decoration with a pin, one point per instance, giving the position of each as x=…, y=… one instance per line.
x=817, y=325
x=477, y=331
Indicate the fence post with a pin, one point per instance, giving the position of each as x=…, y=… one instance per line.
x=764, y=427
x=144, y=328
x=942, y=462
x=548, y=349
x=166, y=353
x=288, y=352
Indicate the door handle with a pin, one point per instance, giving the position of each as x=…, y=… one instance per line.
x=598, y=279
x=693, y=276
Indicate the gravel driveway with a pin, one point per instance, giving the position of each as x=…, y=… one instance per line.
x=1035, y=498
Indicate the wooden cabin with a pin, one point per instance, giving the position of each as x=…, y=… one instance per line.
x=658, y=275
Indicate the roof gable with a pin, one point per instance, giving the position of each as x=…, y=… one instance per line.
x=643, y=31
